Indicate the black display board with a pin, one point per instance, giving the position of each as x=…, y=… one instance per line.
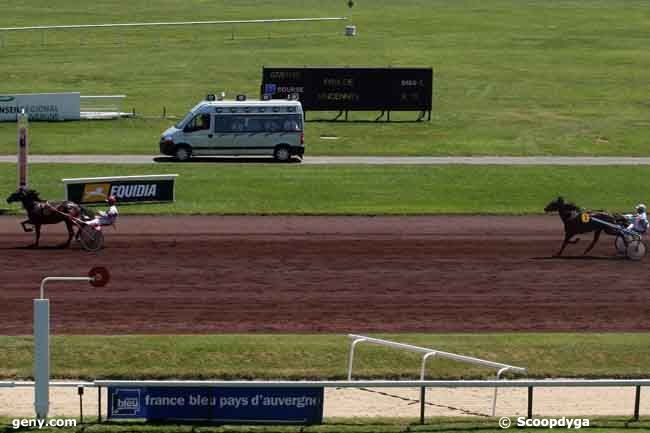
x=351, y=89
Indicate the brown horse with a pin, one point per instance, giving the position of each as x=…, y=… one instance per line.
x=571, y=216
x=41, y=212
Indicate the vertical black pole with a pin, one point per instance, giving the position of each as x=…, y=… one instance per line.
x=99, y=404
x=530, y=402
x=80, y=391
x=423, y=393
x=637, y=401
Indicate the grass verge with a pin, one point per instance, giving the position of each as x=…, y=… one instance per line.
x=511, y=77
x=358, y=190
x=295, y=357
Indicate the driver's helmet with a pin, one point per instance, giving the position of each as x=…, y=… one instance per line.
x=111, y=199
x=640, y=208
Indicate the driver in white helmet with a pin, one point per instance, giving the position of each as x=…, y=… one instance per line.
x=638, y=220
x=109, y=217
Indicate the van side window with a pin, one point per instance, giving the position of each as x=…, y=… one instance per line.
x=222, y=124
x=199, y=123
x=271, y=124
x=254, y=124
x=237, y=123
x=292, y=123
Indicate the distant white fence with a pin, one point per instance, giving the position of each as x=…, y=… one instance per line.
x=172, y=23
x=102, y=107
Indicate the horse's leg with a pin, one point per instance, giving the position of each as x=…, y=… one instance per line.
x=68, y=225
x=567, y=236
x=25, y=228
x=37, y=227
x=591, y=245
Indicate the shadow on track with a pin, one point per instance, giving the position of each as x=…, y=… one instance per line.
x=580, y=258
x=224, y=160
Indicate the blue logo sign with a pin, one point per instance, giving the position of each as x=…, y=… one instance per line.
x=126, y=402
x=269, y=89
x=219, y=405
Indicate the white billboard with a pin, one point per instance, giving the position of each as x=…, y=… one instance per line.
x=40, y=106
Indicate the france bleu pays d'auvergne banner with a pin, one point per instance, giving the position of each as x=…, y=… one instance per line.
x=127, y=189
x=218, y=404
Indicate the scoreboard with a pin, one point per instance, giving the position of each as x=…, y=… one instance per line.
x=351, y=89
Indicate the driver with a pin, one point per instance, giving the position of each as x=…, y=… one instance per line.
x=638, y=220
x=106, y=218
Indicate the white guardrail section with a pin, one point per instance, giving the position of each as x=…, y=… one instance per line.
x=102, y=106
x=422, y=384
x=503, y=383
x=172, y=23
x=429, y=353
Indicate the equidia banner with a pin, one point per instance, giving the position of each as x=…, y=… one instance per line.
x=218, y=404
x=127, y=189
x=41, y=106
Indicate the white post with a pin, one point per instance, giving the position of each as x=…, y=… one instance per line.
x=98, y=277
x=424, y=363
x=351, y=360
x=23, y=126
x=494, y=400
x=41, y=357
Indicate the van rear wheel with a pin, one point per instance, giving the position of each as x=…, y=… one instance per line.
x=282, y=154
x=183, y=153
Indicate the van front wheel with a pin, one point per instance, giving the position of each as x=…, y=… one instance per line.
x=282, y=154
x=183, y=153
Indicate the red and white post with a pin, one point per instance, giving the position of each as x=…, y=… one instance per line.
x=23, y=127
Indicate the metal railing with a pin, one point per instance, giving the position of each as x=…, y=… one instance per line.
x=172, y=23
x=429, y=353
x=530, y=384
x=102, y=106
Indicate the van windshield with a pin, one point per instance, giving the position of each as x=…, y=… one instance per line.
x=185, y=119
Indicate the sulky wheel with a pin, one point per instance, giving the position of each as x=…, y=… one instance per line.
x=91, y=239
x=635, y=249
x=621, y=245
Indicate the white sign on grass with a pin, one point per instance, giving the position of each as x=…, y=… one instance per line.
x=40, y=106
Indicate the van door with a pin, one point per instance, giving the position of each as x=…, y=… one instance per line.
x=252, y=139
x=224, y=134
x=198, y=134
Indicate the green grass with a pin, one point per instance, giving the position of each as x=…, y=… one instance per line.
x=321, y=357
x=357, y=190
x=512, y=77
x=347, y=425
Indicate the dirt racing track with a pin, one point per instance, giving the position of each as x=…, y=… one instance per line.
x=325, y=274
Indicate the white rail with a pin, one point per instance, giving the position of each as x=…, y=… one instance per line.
x=503, y=383
x=171, y=23
x=422, y=384
x=430, y=353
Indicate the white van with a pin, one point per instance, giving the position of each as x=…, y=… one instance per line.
x=273, y=127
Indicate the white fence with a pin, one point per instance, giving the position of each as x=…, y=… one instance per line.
x=102, y=107
x=429, y=353
x=422, y=384
x=172, y=23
